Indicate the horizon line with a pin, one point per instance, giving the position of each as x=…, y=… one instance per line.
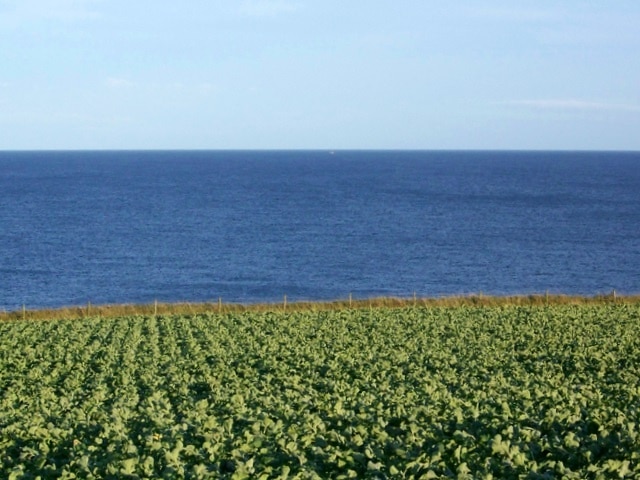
x=328, y=150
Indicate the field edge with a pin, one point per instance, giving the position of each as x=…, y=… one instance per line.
x=186, y=308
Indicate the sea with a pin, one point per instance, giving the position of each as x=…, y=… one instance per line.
x=112, y=227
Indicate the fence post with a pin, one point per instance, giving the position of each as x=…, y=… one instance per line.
x=285, y=302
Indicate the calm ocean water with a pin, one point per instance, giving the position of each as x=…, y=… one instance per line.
x=120, y=227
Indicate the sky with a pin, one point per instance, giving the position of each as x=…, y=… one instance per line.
x=311, y=74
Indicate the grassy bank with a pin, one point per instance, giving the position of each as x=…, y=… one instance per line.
x=156, y=308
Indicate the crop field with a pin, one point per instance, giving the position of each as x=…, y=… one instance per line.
x=413, y=392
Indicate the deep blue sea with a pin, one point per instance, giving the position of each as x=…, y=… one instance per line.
x=247, y=226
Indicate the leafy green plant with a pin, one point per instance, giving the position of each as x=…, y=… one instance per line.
x=508, y=391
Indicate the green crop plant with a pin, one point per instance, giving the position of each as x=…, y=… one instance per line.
x=507, y=391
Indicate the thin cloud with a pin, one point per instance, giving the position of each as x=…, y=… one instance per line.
x=206, y=87
x=515, y=14
x=267, y=8
x=118, y=82
x=63, y=118
x=176, y=87
x=25, y=11
x=571, y=104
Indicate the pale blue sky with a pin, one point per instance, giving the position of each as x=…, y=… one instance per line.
x=409, y=74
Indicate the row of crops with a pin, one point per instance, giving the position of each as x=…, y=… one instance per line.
x=486, y=392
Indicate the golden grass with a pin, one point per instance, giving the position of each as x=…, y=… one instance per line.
x=111, y=311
